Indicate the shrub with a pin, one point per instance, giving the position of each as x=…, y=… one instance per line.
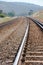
x=2, y=15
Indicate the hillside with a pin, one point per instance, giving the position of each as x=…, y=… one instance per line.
x=38, y=15
x=18, y=7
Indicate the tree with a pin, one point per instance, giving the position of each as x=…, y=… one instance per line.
x=1, y=11
x=11, y=14
x=30, y=12
x=2, y=14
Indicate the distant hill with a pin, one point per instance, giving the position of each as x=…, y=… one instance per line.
x=18, y=7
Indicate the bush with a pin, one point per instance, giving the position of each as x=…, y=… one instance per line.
x=30, y=12
x=2, y=15
x=11, y=14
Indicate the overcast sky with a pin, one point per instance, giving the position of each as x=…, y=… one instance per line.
x=38, y=2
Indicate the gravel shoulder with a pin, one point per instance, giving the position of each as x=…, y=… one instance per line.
x=7, y=30
x=35, y=36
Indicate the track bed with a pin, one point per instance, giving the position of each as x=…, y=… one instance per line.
x=9, y=46
x=33, y=52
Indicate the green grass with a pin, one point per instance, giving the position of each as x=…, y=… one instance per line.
x=5, y=19
x=2, y=15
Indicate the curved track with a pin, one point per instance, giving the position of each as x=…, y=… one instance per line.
x=33, y=52
x=37, y=22
x=18, y=48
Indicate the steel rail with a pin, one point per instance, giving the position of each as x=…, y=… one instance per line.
x=37, y=22
x=21, y=47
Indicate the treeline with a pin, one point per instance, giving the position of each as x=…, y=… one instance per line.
x=10, y=14
x=2, y=14
x=30, y=12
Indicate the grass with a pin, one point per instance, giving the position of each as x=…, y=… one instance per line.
x=38, y=15
x=5, y=19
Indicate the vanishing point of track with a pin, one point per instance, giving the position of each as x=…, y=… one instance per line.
x=29, y=51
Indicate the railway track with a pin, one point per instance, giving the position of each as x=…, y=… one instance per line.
x=37, y=22
x=33, y=48
x=9, y=47
x=33, y=54
x=30, y=50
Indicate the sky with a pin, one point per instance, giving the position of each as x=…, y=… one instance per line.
x=37, y=2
